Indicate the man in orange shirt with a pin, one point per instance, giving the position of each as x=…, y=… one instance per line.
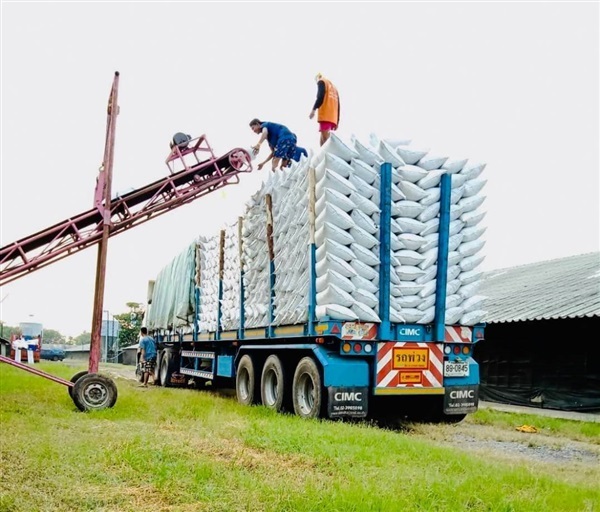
x=328, y=105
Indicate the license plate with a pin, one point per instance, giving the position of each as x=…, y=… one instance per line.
x=456, y=369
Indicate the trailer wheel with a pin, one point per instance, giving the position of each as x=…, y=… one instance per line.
x=245, y=382
x=74, y=379
x=166, y=368
x=307, y=390
x=156, y=379
x=272, y=383
x=94, y=392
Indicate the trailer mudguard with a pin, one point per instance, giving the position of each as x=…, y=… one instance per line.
x=341, y=371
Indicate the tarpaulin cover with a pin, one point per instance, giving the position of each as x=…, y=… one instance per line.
x=551, y=364
x=173, y=294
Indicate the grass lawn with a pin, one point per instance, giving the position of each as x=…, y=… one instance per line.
x=184, y=450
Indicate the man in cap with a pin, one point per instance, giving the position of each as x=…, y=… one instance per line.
x=328, y=105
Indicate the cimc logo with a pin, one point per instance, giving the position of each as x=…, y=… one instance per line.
x=463, y=393
x=407, y=331
x=355, y=396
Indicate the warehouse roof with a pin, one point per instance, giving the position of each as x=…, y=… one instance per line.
x=561, y=288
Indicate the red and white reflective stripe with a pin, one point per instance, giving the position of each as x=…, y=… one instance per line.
x=388, y=377
x=359, y=331
x=458, y=334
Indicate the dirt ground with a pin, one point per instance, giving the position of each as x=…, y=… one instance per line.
x=497, y=441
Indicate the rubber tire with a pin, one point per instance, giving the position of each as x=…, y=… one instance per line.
x=74, y=379
x=307, y=389
x=166, y=368
x=272, y=383
x=54, y=358
x=93, y=392
x=246, y=385
x=156, y=381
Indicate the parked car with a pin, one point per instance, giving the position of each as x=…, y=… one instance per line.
x=52, y=353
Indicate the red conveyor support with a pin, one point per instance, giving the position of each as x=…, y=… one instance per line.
x=40, y=373
x=76, y=233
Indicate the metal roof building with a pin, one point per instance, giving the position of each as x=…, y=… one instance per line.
x=540, y=345
x=561, y=288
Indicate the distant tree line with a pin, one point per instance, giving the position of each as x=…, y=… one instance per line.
x=130, y=323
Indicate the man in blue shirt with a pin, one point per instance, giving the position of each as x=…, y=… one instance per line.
x=280, y=139
x=147, y=355
x=296, y=157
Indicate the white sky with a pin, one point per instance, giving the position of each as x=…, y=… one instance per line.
x=514, y=85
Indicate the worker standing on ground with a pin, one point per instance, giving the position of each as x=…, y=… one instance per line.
x=280, y=139
x=147, y=356
x=328, y=105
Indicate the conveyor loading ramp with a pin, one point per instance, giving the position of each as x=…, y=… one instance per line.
x=81, y=231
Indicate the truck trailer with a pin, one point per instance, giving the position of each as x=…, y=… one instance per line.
x=216, y=328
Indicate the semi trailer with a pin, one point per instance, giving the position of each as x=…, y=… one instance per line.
x=220, y=325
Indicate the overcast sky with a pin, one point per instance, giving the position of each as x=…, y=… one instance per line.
x=514, y=85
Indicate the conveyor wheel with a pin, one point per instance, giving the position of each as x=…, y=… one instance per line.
x=94, y=392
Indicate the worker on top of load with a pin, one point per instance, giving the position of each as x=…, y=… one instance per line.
x=280, y=139
x=328, y=105
x=296, y=157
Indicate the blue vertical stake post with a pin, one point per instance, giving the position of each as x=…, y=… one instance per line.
x=271, y=249
x=442, y=260
x=220, y=296
x=385, y=219
x=197, y=292
x=312, y=285
x=241, y=259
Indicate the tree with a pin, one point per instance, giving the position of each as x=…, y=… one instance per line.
x=83, y=339
x=6, y=331
x=130, y=323
x=52, y=336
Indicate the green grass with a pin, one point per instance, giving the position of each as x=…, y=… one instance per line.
x=184, y=450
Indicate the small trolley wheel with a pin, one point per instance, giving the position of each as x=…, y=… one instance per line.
x=272, y=387
x=245, y=382
x=307, y=389
x=74, y=379
x=93, y=392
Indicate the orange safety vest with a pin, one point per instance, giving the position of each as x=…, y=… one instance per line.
x=329, y=109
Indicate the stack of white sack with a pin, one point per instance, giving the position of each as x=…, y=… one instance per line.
x=346, y=236
x=230, y=298
x=347, y=244
x=256, y=261
x=209, y=283
x=291, y=243
x=417, y=174
x=347, y=239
